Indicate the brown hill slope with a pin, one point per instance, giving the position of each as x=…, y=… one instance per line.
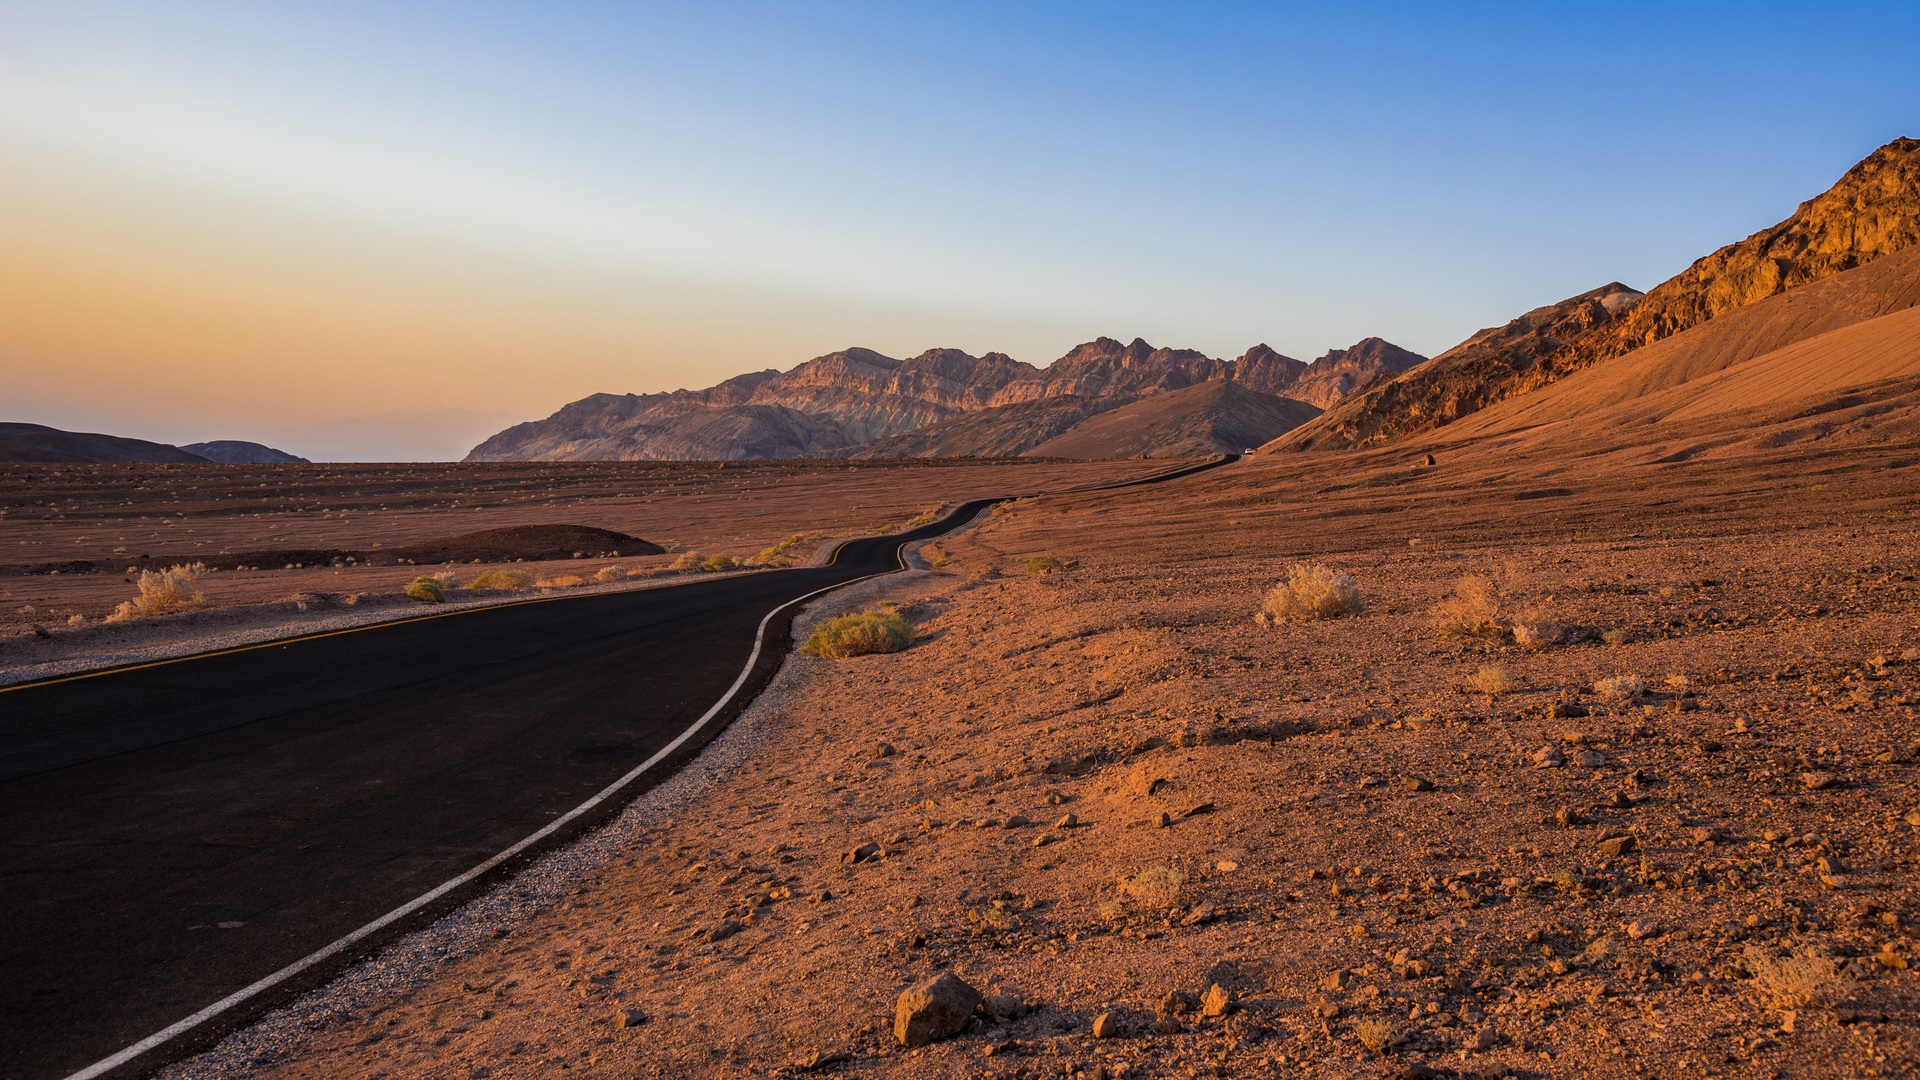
x=1794, y=337
x=37, y=442
x=1000, y=431
x=1873, y=211
x=1215, y=416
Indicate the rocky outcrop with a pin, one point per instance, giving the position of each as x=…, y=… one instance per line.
x=1874, y=210
x=944, y=402
x=1217, y=416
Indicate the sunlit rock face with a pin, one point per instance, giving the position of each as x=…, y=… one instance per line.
x=1874, y=210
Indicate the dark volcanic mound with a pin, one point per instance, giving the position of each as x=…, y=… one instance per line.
x=37, y=442
x=533, y=543
x=241, y=452
x=530, y=543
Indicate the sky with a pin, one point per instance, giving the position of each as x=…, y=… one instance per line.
x=258, y=220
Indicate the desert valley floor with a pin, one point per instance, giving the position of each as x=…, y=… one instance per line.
x=1107, y=790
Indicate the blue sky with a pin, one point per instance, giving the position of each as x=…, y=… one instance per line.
x=506, y=207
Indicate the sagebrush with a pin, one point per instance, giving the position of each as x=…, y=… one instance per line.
x=1044, y=564
x=163, y=591
x=1621, y=687
x=427, y=590
x=611, y=573
x=1475, y=610
x=858, y=635
x=503, y=579
x=689, y=560
x=1799, y=980
x=1311, y=592
x=1493, y=680
x=1156, y=887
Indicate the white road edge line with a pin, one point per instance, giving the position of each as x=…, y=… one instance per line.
x=167, y=1034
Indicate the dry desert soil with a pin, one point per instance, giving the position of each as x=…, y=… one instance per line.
x=1109, y=790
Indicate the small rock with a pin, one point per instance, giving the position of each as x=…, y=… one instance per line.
x=1003, y=1008
x=863, y=853
x=1162, y=820
x=820, y=1059
x=1833, y=864
x=1066, y=822
x=1415, y=783
x=1177, y=1003
x=1702, y=836
x=1708, y=746
x=935, y=1009
x=1617, y=845
x=1568, y=818
x=1566, y=710
x=1620, y=801
x=40, y=631
x=1105, y=1026
x=1818, y=781
x=1642, y=929
x=1548, y=757
x=1218, y=1001
x=1370, y=781
x=1334, y=981
x=1589, y=759
x=1015, y=821
x=627, y=1018
x=1144, y=782
x=1200, y=915
x=1046, y=838
x=884, y=750
x=725, y=930
x=1226, y=867
x=1484, y=1040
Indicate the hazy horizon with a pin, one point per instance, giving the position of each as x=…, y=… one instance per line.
x=224, y=218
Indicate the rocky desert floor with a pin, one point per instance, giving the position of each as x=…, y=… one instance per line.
x=1166, y=840
x=120, y=519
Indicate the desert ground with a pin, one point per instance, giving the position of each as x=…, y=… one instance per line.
x=1368, y=846
x=73, y=537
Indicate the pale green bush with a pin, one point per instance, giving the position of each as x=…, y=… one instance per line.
x=503, y=579
x=427, y=590
x=689, y=560
x=1044, y=564
x=858, y=635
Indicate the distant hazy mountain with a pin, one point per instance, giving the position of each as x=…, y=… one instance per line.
x=861, y=403
x=400, y=435
x=236, y=452
x=37, y=442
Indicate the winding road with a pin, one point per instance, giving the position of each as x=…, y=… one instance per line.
x=175, y=833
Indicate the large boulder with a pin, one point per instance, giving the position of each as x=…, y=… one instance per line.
x=935, y=1009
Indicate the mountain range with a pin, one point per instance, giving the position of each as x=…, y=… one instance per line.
x=945, y=402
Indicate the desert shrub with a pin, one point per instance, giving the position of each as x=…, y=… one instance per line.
x=447, y=579
x=858, y=635
x=1493, y=680
x=1044, y=564
x=503, y=579
x=1799, y=980
x=1473, y=611
x=77, y=620
x=566, y=581
x=1621, y=687
x=162, y=591
x=1312, y=592
x=689, y=560
x=611, y=573
x=1156, y=887
x=718, y=562
x=1534, y=628
x=1378, y=1033
x=427, y=590
x=1614, y=637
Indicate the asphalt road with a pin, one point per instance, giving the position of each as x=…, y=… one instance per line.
x=174, y=832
